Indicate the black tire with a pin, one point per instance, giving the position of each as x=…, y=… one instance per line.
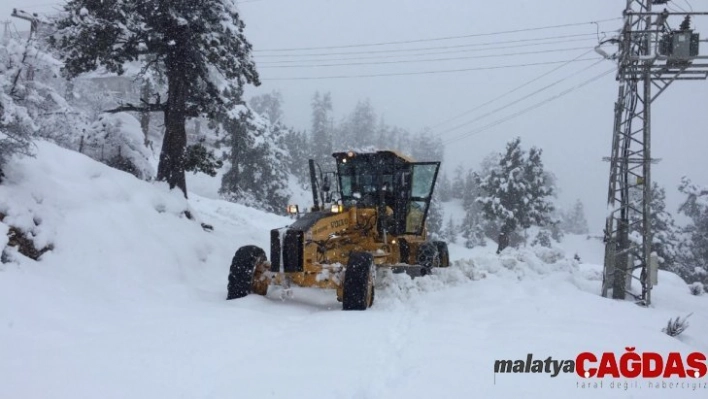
x=243, y=265
x=443, y=252
x=359, y=282
x=428, y=256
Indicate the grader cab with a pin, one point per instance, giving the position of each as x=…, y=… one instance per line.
x=373, y=218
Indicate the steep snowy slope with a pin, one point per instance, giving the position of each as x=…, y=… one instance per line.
x=130, y=304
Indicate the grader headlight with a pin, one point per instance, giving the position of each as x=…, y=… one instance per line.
x=337, y=208
x=293, y=210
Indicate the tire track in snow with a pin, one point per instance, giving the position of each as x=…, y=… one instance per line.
x=389, y=367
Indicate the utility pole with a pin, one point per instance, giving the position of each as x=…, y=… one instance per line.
x=34, y=20
x=6, y=31
x=651, y=55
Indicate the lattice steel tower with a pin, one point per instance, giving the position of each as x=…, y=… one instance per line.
x=651, y=55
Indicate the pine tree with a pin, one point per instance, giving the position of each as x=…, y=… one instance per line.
x=665, y=232
x=435, y=216
x=573, y=221
x=383, y=136
x=269, y=106
x=401, y=140
x=257, y=175
x=543, y=239
x=693, y=255
x=445, y=188
x=472, y=224
x=488, y=164
x=427, y=147
x=505, y=191
x=458, y=182
x=322, y=141
x=539, y=191
x=199, y=46
x=665, y=240
x=200, y=159
x=32, y=104
x=360, y=129
x=297, y=147
x=450, y=232
x=17, y=126
x=686, y=23
x=517, y=193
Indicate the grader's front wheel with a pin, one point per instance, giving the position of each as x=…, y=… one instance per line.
x=359, y=279
x=244, y=272
x=428, y=256
x=443, y=253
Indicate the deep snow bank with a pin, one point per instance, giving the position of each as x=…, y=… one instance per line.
x=130, y=303
x=118, y=237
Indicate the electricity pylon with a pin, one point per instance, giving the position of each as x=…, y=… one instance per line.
x=651, y=55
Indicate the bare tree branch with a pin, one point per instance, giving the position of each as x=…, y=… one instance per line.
x=133, y=108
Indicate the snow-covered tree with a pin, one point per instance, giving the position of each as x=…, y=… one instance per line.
x=383, y=136
x=322, y=126
x=693, y=254
x=489, y=163
x=450, y=232
x=434, y=223
x=17, y=126
x=400, y=139
x=473, y=229
x=543, y=239
x=540, y=188
x=31, y=99
x=504, y=189
x=427, y=147
x=359, y=128
x=573, y=220
x=362, y=124
x=117, y=140
x=297, y=147
x=665, y=232
x=199, y=46
x=665, y=240
x=516, y=193
x=445, y=189
x=257, y=175
x=269, y=106
x=458, y=182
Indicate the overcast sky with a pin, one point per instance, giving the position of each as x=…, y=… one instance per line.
x=574, y=130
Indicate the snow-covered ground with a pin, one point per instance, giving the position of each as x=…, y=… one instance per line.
x=131, y=304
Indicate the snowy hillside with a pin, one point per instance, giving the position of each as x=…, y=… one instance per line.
x=130, y=303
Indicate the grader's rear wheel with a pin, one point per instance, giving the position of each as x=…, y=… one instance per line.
x=359, y=279
x=242, y=272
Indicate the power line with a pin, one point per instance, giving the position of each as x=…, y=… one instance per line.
x=690, y=7
x=504, y=107
x=42, y=5
x=438, y=38
x=426, y=72
x=423, y=60
x=387, y=56
x=543, y=75
x=528, y=109
x=447, y=47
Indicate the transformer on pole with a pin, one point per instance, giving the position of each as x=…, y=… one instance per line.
x=651, y=56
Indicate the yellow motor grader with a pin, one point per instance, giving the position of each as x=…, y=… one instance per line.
x=373, y=218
